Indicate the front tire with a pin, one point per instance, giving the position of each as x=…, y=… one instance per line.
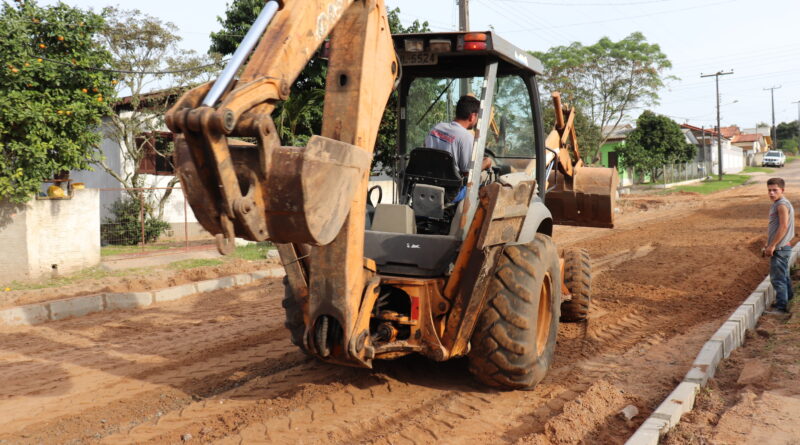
x=514, y=342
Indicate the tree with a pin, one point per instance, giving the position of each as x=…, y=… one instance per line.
x=152, y=70
x=300, y=116
x=656, y=141
x=50, y=104
x=788, y=136
x=608, y=79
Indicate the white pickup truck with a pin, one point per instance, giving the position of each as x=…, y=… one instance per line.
x=774, y=158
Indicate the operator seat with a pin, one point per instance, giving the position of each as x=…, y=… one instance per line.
x=432, y=167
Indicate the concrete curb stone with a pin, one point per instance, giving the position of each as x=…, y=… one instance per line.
x=76, y=307
x=242, y=279
x=215, y=284
x=174, y=293
x=728, y=335
x=128, y=300
x=25, y=315
x=705, y=365
x=34, y=314
x=679, y=402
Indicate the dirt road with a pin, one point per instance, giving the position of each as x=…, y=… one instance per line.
x=219, y=367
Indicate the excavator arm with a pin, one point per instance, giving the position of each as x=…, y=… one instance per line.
x=297, y=197
x=577, y=195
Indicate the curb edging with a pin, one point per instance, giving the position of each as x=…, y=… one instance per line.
x=38, y=313
x=719, y=347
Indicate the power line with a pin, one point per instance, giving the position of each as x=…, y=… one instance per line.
x=596, y=22
x=544, y=3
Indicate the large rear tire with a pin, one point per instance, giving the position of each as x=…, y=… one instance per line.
x=294, y=316
x=514, y=342
x=578, y=279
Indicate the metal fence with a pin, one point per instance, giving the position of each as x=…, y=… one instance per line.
x=685, y=172
x=668, y=174
x=148, y=220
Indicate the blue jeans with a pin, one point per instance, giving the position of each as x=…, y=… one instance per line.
x=779, y=276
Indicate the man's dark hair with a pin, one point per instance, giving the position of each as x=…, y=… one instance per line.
x=466, y=106
x=777, y=181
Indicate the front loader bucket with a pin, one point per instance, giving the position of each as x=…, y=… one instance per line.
x=588, y=201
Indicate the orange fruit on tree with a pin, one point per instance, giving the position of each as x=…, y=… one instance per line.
x=42, y=45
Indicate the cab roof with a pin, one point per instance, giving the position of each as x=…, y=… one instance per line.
x=495, y=46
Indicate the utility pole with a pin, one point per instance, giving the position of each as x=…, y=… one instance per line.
x=719, y=127
x=773, y=131
x=463, y=15
x=463, y=26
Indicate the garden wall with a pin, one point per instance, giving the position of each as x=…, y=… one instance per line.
x=45, y=238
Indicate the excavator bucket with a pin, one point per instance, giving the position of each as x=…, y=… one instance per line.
x=586, y=199
x=289, y=194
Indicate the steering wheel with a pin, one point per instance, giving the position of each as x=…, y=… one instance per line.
x=490, y=154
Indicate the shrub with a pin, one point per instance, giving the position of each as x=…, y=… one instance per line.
x=124, y=226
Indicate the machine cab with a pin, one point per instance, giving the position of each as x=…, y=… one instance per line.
x=417, y=232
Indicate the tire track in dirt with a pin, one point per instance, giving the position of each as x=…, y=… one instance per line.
x=235, y=378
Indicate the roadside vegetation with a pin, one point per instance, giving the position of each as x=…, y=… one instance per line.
x=252, y=252
x=712, y=185
x=759, y=169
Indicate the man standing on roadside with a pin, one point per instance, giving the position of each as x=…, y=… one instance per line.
x=778, y=249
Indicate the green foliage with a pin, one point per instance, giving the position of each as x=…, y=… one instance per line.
x=788, y=135
x=193, y=263
x=49, y=107
x=713, y=185
x=148, y=50
x=300, y=116
x=124, y=227
x=608, y=79
x=656, y=141
x=253, y=252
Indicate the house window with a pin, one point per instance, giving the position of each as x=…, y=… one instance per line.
x=158, y=158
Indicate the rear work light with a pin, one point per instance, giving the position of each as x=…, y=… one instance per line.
x=475, y=41
x=474, y=46
x=475, y=37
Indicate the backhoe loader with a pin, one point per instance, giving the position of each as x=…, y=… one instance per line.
x=426, y=272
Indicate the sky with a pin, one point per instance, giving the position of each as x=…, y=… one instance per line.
x=758, y=40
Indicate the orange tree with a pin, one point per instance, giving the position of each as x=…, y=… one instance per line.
x=52, y=98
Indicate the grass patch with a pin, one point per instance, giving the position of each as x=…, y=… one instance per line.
x=758, y=170
x=713, y=185
x=97, y=273
x=121, y=250
x=791, y=158
x=191, y=264
x=253, y=252
x=92, y=273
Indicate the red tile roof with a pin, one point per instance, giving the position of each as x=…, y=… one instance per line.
x=754, y=137
x=731, y=131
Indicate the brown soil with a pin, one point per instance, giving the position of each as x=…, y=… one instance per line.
x=219, y=367
x=136, y=281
